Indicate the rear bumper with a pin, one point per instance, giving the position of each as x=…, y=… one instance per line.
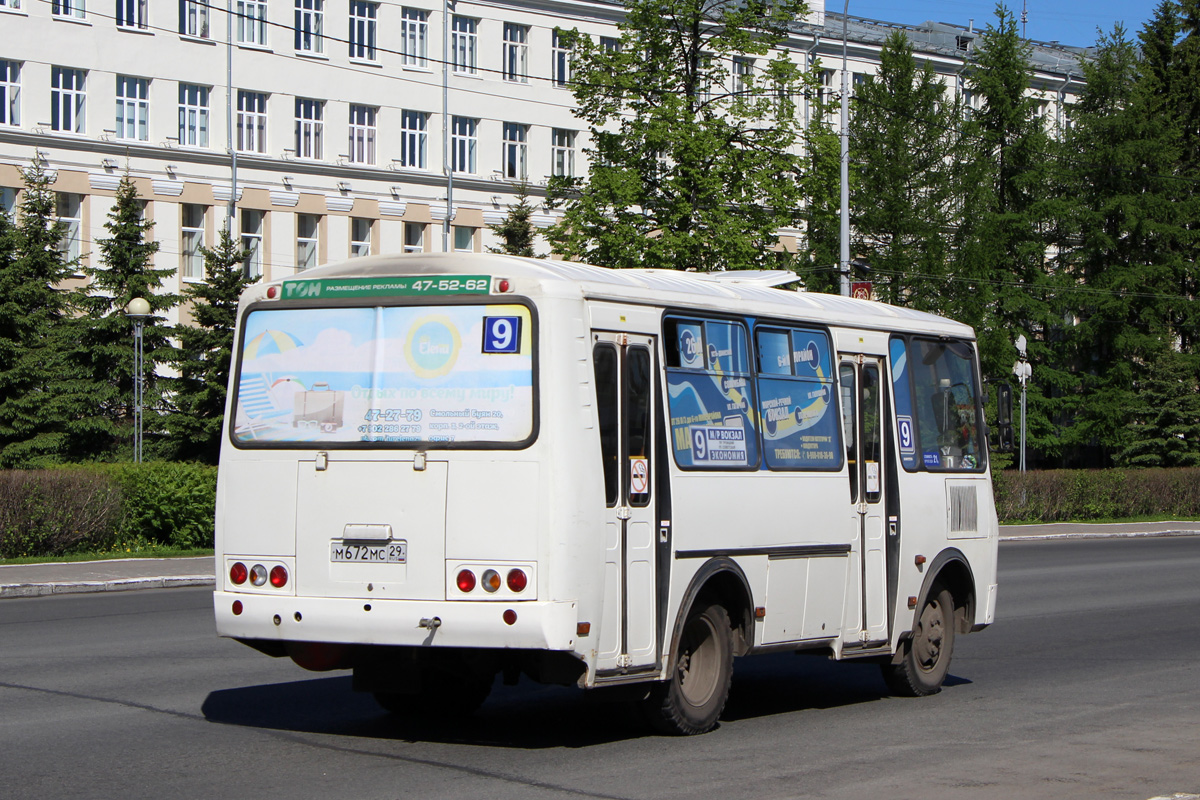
x=539, y=625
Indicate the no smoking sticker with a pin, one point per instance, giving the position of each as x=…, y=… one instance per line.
x=639, y=475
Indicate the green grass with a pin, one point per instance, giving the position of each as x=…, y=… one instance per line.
x=152, y=551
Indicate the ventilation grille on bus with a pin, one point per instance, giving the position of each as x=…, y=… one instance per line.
x=964, y=509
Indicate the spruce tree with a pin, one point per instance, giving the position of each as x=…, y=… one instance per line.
x=105, y=351
x=206, y=347
x=35, y=327
x=693, y=128
x=516, y=231
x=902, y=148
x=1002, y=286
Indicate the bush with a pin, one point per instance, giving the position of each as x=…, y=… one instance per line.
x=1065, y=495
x=77, y=509
x=53, y=512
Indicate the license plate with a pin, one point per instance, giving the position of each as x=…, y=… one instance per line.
x=364, y=553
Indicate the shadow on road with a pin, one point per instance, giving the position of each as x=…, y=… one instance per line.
x=532, y=716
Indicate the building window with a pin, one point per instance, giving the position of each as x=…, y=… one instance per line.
x=362, y=29
x=252, y=22
x=413, y=138
x=67, y=99
x=360, y=236
x=310, y=18
x=414, y=33
x=464, y=238
x=68, y=208
x=309, y=127
x=462, y=144
x=133, y=108
x=516, y=52
x=8, y=202
x=560, y=59
x=609, y=44
x=308, y=228
x=464, y=44
x=193, y=18
x=67, y=8
x=132, y=14
x=743, y=70
x=191, y=239
x=251, y=122
x=252, y=241
x=362, y=134
x=193, y=115
x=562, y=154
x=414, y=237
x=516, y=152
x=10, y=93
x=10, y=4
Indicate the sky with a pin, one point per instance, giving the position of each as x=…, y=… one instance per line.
x=1070, y=22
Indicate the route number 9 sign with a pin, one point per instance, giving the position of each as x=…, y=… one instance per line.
x=502, y=334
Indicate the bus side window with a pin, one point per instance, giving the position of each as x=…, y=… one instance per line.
x=604, y=357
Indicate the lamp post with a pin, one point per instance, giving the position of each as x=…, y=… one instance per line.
x=844, y=136
x=1023, y=372
x=137, y=310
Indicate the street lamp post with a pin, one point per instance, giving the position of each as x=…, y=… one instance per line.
x=1023, y=372
x=137, y=310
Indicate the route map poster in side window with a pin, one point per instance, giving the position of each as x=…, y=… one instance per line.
x=455, y=374
x=796, y=399
x=709, y=395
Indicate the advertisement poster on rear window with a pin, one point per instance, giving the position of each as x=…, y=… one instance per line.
x=412, y=374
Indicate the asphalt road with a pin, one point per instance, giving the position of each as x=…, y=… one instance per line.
x=1088, y=686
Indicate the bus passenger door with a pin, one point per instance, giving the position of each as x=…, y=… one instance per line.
x=625, y=389
x=863, y=410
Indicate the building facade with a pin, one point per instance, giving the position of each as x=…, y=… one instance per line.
x=338, y=128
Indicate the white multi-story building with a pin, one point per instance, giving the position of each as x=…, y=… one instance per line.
x=338, y=128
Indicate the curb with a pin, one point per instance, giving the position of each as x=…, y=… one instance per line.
x=121, y=585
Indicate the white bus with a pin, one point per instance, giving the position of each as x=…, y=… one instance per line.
x=443, y=468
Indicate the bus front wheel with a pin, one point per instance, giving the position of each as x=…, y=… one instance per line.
x=690, y=701
x=925, y=656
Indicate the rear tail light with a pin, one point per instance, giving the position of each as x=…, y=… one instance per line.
x=238, y=574
x=279, y=577
x=517, y=580
x=491, y=581
x=258, y=574
x=465, y=580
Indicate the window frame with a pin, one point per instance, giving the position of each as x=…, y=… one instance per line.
x=514, y=160
x=515, y=53
x=364, y=30
x=360, y=247
x=251, y=23
x=10, y=93
x=69, y=9
x=309, y=27
x=364, y=133
x=252, y=122
x=414, y=38
x=562, y=152
x=191, y=239
x=133, y=113
x=561, y=60
x=133, y=14
x=310, y=244
x=252, y=241
x=70, y=244
x=414, y=140
x=194, y=115
x=464, y=45
x=414, y=244
x=310, y=128
x=68, y=101
x=194, y=19
x=464, y=144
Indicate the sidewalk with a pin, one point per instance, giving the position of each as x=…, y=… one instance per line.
x=117, y=575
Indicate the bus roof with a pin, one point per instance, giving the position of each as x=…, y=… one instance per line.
x=752, y=292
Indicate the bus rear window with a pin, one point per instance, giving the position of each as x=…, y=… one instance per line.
x=455, y=375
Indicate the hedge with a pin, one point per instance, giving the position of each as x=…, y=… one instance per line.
x=94, y=508
x=1076, y=494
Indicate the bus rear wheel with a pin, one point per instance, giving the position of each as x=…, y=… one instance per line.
x=925, y=659
x=691, y=700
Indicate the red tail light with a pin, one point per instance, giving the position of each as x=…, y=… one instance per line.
x=238, y=574
x=279, y=577
x=465, y=580
x=517, y=580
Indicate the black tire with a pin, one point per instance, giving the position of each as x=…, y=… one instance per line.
x=454, y=692
x=925, y=658
x=691, y=700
